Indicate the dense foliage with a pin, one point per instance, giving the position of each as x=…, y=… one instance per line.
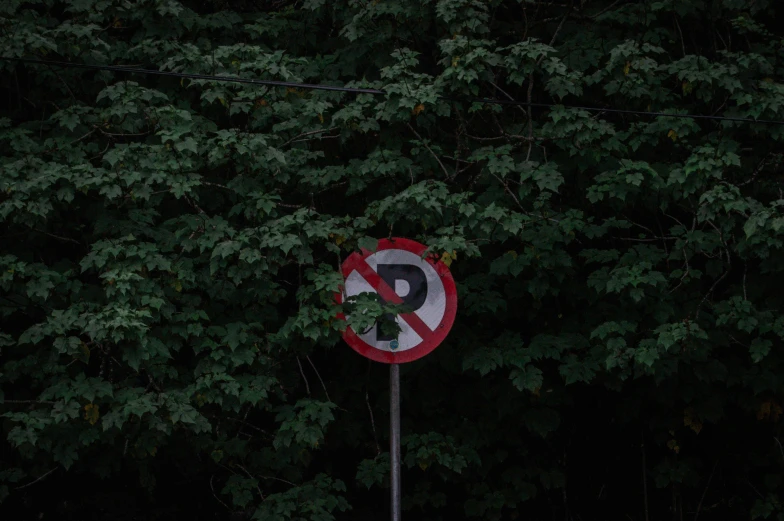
x=170, y=249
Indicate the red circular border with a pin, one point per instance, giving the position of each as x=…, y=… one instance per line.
x=443, y=328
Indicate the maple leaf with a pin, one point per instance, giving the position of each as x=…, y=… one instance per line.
x=91, y=413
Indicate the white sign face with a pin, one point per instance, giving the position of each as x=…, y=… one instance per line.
x=399, y=274
x=427, y=283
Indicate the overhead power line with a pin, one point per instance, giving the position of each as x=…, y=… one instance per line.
x=359, y=90
x=227, y=79
x=616, y=111
x=186, y=75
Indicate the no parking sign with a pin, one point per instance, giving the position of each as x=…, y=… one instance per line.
x=399, y=274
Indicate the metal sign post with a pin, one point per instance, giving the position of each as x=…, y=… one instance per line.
x=394, y=438
x=400, y=271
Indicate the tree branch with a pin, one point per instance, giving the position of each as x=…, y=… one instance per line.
x=37, y=480
x=319, y=377
x=723, y=276
x=216, y=495
x=304, y=134
x=699, y=505
x=24, y=402
x=307, y=385
x=600, y=13
x=446, y=172
x=57, y=236
x=251, y=476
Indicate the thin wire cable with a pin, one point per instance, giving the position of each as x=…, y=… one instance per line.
x=228, y=79
x=358, y=90
x=617, y=111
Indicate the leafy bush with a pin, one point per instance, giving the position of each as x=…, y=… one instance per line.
x=171, y=247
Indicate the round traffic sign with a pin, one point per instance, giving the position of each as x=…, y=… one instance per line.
x=399, y=274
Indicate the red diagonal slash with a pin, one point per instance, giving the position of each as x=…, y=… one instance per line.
x=388, y=294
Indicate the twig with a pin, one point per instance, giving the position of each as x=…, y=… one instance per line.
x=307, y=386
x=153, y=384
x=685, y=273
x=196, y=206
x=279, y=479
x=528, y=139
x=19, y=97
x=319, y=377
x=644, y=476
x=370, y=409
x=289, y=205
x=557, y=30
x=674, y=495
x=446, y=172
x=295, y=138
x=508, y=136
x=754, y=489
x=502, y=91
x=216, y=495
x=37, y=480
x=62, y=81
x=330, y=187
x=738, y=342
x=530, y=115
x=120, y=134
x=745, y=270
x=676, y=220
x=75, y=141
x=213, y=184
x=458, y=160
x=531, y=87
x=477, y=138
x=723, y=104
x=716, y=283
x=640, y=225
x=699, y=505
x=683, y=46
x=710, y=291
x=314, y=139
x=252, y=477
x=722, y=40
x=38, y=402
x=509, y=191
x=604, y=10
x=67, y=239
x=657, y=239
x=100, y=154
x=661, y=231
x=762, y=164
x=372, y=424
x=250, y=425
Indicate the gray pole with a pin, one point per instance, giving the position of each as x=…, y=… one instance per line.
x=394, y=437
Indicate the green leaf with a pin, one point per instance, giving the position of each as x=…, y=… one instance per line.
x=372, y=472
x=530, y=378
x=760, y=349
x=368, y=243
x=187, y=144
